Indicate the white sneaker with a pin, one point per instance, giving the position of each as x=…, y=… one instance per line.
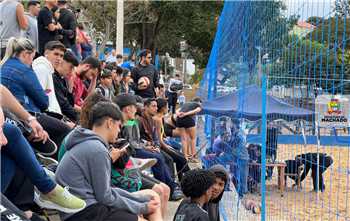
x=142, y=164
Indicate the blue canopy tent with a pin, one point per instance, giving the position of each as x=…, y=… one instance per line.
x=228, y=105
x=276, y=109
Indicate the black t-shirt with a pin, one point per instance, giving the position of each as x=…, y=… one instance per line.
x=189, y=106
x=152, y=74
x=68, y=21
x=188, y=211
x=45, y=18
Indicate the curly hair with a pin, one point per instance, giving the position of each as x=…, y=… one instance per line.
x=196, y=182
x=89, y=102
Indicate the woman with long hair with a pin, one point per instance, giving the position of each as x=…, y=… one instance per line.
x=18, y=76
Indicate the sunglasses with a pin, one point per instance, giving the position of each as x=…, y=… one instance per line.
x=149, y=57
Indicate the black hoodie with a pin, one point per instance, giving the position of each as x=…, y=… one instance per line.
x=212, y=207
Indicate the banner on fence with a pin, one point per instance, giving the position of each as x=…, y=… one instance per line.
x=332, y=111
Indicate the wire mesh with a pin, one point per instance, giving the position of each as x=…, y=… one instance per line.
x=300, y=51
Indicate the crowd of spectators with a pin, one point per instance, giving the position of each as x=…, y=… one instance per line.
x=63, y=108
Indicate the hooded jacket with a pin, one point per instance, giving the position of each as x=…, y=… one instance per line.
x=86, y=169
x=212, y=207
x=44, y=71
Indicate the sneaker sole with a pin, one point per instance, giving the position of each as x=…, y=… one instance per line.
x=50, y=205
x=46, y=160
x=150, y=163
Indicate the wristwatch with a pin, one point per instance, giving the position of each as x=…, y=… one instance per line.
x=30, y=119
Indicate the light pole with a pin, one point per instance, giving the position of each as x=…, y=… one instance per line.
x=120, y=27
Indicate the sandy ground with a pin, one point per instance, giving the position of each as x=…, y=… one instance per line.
x=333, y=204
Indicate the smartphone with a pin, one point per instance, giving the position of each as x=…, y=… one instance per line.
x=125, y=147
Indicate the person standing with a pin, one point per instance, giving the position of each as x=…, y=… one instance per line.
x=111, y=58
x=240, y=157
x=68, y=21
x=47, y=27
x=145, y=76
x=32, y=31
x=12, y=22
x=175, y=85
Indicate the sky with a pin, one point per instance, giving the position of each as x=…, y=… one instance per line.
x=308, y=8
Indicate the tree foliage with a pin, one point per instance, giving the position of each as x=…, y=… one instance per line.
x=161, y=24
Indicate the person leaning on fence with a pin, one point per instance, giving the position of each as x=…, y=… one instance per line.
x=309, y=160
x=240, y=158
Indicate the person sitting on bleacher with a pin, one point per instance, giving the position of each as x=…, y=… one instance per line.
x=64, y=95
x=20, y=79
x=44, y=68
x=131, y=132
x=86, y=168
x=15, y=148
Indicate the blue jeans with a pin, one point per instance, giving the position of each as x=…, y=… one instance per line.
x=241, y=175
x=18, y=153
x=160, y=170
x=173, y=143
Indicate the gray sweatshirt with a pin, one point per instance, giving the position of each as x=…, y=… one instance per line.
x=86, y=169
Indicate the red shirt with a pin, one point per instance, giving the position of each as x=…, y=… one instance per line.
x=79, y=91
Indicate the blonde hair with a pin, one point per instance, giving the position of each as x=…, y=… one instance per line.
x=15, y=46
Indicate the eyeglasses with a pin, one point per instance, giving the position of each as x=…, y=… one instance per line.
x=150, y=57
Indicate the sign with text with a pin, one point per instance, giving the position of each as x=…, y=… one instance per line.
x=332, y=111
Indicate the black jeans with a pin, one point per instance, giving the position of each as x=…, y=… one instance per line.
x=172, y=100
x=324, y=164
x=100, y=212
x=323, y=167
x=180, y=161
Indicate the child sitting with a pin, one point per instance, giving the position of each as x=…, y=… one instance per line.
x=104, y=88
x=197, y=186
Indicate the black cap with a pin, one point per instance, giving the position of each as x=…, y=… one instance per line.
x=144, y=52
x=62, y=2
x=124, y=100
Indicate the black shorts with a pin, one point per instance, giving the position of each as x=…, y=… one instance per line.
x=185, y=122
x=100, y=212
x=148, y=182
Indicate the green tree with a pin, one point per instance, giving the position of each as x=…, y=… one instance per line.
x=161, y=24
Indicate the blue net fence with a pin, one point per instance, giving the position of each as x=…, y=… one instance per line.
x=276, y=110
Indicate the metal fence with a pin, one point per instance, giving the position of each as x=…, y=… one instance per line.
x=284, y=67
